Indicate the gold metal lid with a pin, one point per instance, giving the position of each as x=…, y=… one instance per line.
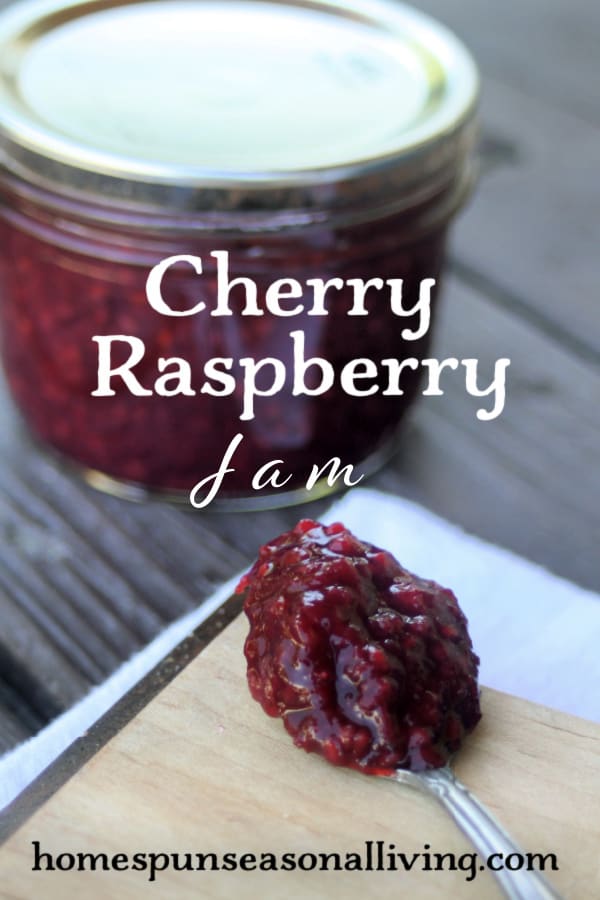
x=209, y=104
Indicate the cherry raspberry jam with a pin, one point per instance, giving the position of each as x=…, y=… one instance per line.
x=367, y=664
x=327, y=141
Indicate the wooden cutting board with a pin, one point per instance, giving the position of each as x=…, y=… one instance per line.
x=202, y=769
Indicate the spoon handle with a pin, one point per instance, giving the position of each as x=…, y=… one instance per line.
x=486, y=834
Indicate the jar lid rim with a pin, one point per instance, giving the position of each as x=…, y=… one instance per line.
x=41, y=134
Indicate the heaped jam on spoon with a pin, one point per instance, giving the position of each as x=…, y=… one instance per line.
x=367, y=664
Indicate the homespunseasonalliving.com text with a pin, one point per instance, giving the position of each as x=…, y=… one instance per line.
x=374, y=856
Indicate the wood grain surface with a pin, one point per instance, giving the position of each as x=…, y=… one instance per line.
x=203, y=770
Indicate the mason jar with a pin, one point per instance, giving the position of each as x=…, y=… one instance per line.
x=297, y=141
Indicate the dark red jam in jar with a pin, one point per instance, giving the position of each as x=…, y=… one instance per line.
x=316, y=141
x=367, y=664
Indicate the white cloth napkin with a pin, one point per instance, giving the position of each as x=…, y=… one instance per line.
x=537, y=634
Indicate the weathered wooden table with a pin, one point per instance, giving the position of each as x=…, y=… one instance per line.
x=86, y=580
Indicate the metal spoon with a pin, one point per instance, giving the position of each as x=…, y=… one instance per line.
x=485, y=833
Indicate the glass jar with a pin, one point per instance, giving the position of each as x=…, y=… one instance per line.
x=310, y=141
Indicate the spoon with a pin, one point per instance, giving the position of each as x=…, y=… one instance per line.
x=333, y=620
x=485, y=833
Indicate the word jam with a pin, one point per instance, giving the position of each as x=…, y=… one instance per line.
x=270, y=475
